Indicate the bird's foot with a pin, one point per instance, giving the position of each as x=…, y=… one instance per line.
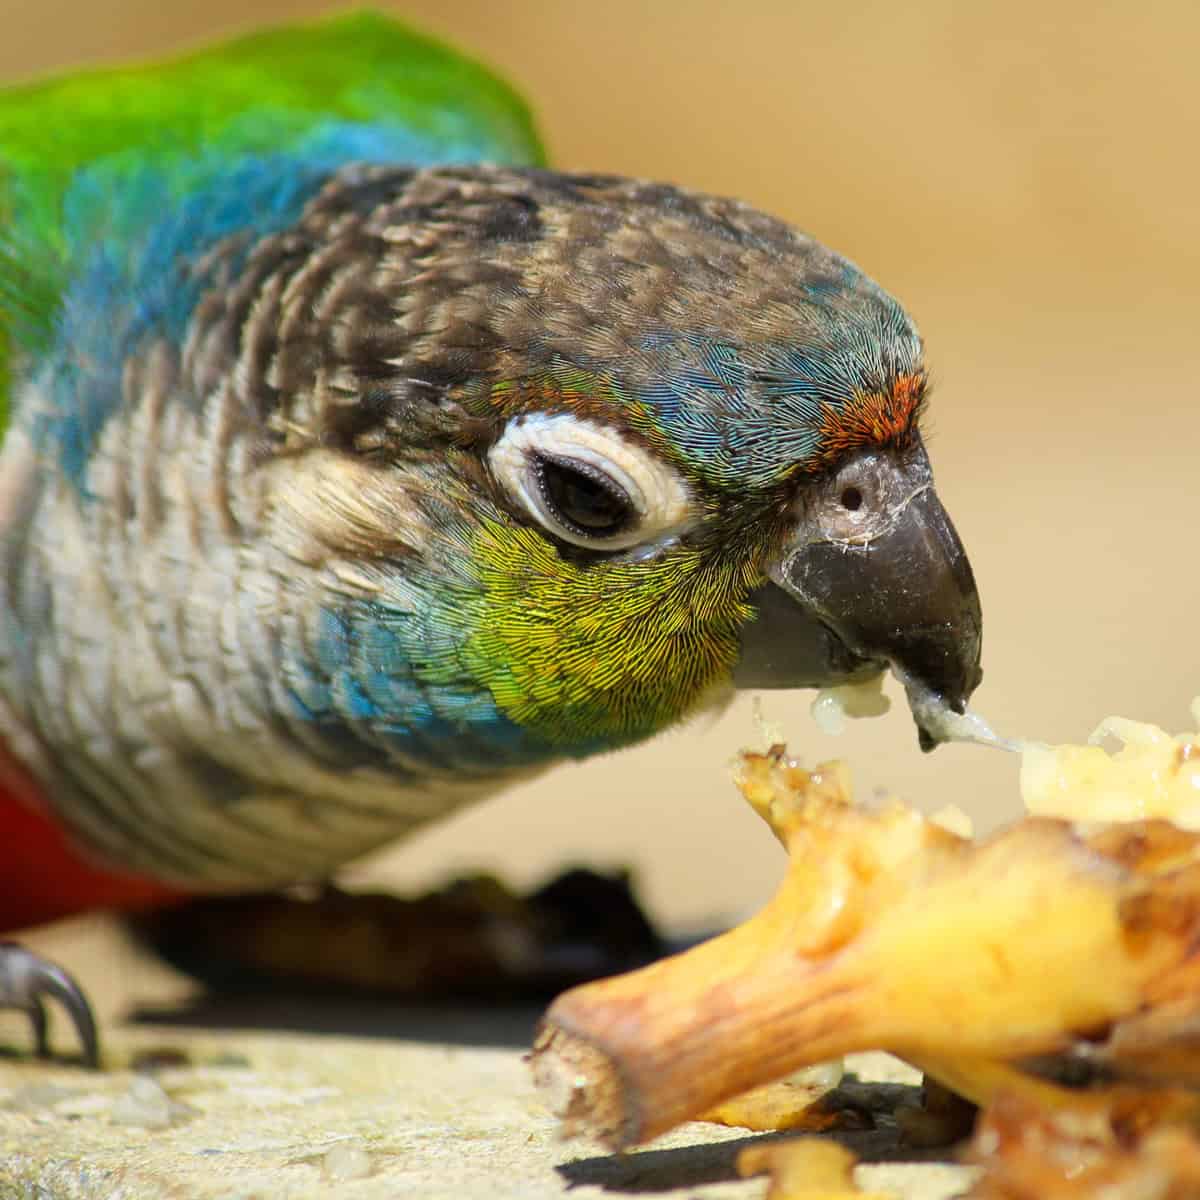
x=472, y=940
x=28, y=980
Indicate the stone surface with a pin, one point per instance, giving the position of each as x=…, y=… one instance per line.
x=282, y=1098
x=442, y=1113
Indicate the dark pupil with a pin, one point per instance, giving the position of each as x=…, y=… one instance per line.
x=584, y=499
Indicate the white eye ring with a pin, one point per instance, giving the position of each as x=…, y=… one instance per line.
x=660, y=501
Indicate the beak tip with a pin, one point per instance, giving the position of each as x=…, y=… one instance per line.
x=935, y=711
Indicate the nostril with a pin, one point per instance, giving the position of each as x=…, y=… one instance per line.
x=852, y=499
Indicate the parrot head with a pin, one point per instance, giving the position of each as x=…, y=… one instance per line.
x=629, y=445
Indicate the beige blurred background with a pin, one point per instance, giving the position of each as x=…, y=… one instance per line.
x=1024, y=176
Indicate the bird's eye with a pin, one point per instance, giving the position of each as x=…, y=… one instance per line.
x=852, y=499
x=589, y=484
x=584, y=499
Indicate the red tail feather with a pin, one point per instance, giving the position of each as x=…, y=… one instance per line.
x=42, y=875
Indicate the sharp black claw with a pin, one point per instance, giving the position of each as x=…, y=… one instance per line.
x=41, y=1027
x=25, y=979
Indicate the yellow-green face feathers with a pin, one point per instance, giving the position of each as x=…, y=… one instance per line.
x=591, y=656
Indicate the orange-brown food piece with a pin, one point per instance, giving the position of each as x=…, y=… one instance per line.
x=1030, y=1153
x=1047, y=961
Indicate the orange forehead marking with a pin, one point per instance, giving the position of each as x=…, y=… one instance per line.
x=871, y=419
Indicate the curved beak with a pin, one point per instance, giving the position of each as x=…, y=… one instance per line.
x=875, y=576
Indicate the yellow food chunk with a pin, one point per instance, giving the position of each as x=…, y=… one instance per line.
x=805, y=1169
x=833, y=705
x=1152, y=775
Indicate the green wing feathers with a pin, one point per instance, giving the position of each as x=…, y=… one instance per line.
x=260, y=94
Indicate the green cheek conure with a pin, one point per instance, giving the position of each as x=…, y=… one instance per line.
x=354, y=466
